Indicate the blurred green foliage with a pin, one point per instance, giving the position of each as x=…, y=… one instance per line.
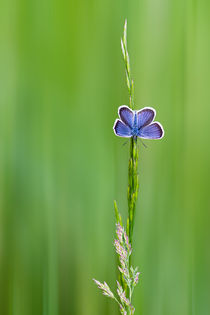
x=61, y=81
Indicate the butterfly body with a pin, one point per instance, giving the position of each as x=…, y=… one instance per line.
x=135, y=128
x=137, y=124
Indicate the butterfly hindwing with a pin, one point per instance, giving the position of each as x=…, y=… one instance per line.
x=152, y=131
x=121, y=130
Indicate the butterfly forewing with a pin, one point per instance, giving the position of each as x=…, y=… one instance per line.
x=145, y=116
x=127, y=115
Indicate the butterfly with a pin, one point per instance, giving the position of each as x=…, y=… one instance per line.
x=138, y=123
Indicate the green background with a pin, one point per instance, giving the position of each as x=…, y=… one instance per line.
x=61, y=81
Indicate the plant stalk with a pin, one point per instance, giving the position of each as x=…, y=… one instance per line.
x=133, y=182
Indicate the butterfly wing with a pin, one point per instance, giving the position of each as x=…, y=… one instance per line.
x=153, y=131
x=121, y=130
x=145, y=116
x=126, y=115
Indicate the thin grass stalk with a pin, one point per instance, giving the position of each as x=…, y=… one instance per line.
x=133, y=184
x=128, y=276
x=133, y=181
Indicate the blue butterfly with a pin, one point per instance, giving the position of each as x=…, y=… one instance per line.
x=139, y=123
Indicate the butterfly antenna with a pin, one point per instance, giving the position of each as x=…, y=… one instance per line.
x=125, y=142
x=144, y=144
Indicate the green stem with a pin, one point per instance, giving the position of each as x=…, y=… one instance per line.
x=133, y=163
x=130, y=83
x=133, y=160
x=133, y=184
